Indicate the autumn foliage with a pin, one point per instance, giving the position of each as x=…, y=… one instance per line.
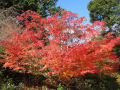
x=61, y=45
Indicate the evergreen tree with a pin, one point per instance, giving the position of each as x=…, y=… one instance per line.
x=43, y=7
x=105, y=10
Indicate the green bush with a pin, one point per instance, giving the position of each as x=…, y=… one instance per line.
x=94, y=82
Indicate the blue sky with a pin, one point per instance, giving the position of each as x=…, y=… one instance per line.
x=76, y=6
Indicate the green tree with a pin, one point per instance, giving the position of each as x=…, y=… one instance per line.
x=105, y=10
x=43, y=7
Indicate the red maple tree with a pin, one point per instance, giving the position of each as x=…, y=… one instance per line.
x=60, y=45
